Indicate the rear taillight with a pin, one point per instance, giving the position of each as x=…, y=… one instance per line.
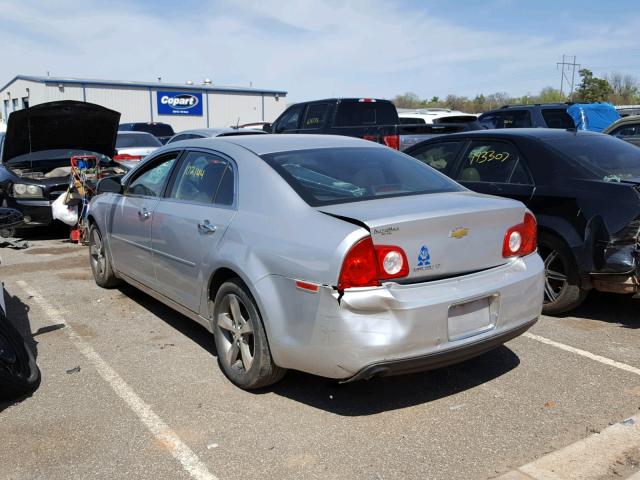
x=126, y=156
x=371, y=138
x=392, y=141
x=367, y=100
x=392, y=262
x=365, y=265
x=521, y=239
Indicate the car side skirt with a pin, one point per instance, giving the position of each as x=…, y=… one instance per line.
x=205, y=322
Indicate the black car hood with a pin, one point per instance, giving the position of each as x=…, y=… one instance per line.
x=66, y=124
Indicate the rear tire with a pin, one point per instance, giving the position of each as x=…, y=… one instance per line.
x=19, y=373
x=563, y=290
x=241, y=341
x=99, y=260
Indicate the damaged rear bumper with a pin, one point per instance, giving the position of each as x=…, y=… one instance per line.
x=398, y=328
x=439, y=359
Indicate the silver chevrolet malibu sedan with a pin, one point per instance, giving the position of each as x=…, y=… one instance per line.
x=331, y=255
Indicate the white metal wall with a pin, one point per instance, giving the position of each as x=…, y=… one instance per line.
x=229, y=109
x=139, y=104
x=133, y=104
x=273, y=107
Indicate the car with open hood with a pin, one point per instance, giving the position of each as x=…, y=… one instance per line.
x=38, y=145
x=583, y=188
x=332, y=255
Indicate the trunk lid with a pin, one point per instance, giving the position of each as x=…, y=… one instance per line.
x=66, y=124
x=442, y=234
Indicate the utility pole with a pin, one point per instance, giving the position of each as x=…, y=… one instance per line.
x=565, y=66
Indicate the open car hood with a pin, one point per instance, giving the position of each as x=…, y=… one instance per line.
x=66, y=124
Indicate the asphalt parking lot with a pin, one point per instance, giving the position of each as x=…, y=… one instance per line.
x=131, y=389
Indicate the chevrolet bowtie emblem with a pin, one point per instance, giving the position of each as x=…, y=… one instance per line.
x=459, y=232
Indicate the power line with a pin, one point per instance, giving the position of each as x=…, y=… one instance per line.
x=565, y=67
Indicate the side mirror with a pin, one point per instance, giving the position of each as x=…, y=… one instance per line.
x=109, y=185
x=267, y=128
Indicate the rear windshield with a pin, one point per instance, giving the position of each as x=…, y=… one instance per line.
x=355, y=113
x=342, y=175
x=411, y=120
x=157, y=129
x=557, y=118
x=133, y=140
x=603, y=156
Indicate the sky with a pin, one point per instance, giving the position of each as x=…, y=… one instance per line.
x=322, y=48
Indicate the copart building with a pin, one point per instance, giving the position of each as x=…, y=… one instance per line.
x=183, y=106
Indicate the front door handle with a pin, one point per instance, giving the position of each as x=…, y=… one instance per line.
x=206, y=227
x=144, y=214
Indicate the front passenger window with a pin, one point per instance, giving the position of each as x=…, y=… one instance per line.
x=151, y=182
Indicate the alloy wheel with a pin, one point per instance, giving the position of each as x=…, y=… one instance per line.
x=555, y=276
x=237, y=333
x=96, y=249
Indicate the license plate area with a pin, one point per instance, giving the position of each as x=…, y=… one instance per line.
x=473, y=317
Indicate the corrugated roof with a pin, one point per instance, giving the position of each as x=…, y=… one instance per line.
x=125, y=83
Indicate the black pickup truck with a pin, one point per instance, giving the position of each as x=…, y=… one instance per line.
x=368, y=118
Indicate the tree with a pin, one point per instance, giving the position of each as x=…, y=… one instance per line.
x=455, y=102
x=592, y=89
x=408, y=100
x=624, y=88
x=550, y=95
x=498, y=99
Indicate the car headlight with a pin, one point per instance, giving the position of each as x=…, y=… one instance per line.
x=21, y=190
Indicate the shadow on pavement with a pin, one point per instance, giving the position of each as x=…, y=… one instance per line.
x=18, y=316
x=182, y=324
x=359, y=398
x=55, y=231
x=392, y=393
x=610, y=308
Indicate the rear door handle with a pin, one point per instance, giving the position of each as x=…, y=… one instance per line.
x=206, y=227
x=144, y=214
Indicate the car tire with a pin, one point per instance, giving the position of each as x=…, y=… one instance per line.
x=99, y=260
x=241, y=341
x=563, y=290
x=19, y=373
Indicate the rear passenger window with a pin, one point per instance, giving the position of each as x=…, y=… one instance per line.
x=315, y=116
x=491, y=120
x=199, y=178
x=557, y=118
x=516, y=119
x=225, y=193
x=438, y=156
x=493, y=162
x=289, y=120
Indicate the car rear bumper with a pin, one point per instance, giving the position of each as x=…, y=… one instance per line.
x=440, y=359
x=396, y=328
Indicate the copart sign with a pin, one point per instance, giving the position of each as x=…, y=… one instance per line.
x=179, y=103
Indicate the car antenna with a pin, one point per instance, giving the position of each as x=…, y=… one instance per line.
x=238, y=123
x=29, y=134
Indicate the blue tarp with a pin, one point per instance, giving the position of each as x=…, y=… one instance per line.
x=593, y=116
